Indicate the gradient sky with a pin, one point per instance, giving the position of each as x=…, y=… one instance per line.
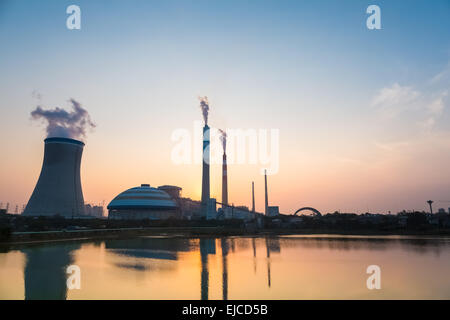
x=363, y=114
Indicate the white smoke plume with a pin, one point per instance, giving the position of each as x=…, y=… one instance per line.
x=65, y=124
x=204, y=105
x=223, y=138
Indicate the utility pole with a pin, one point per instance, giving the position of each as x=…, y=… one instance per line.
x=266, y=212
x=253, y=197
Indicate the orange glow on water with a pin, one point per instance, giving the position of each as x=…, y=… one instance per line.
x=291, y=267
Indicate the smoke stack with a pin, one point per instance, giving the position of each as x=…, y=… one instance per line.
x=58, y=190
x=224, y=181
x=253, y=196
x=223, y=137
x=266, y=212
x=205, y=169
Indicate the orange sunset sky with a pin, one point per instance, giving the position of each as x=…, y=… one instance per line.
x=363, y=115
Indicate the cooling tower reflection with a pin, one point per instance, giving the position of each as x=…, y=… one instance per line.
x=45, y=271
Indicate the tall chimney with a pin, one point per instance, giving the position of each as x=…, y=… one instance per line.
x=58, y=190
x=266, y=212
x=253, y=196
x=205, y=169
x=224, y=181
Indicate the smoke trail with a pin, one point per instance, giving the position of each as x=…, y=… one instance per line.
x=204, y=105
x=65, y=124
x=223, y=138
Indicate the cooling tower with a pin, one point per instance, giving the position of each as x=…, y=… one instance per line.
x=224, y=181
x=205, y=173
x=58, y=190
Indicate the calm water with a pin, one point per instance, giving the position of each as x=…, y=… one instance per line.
x=288, y=267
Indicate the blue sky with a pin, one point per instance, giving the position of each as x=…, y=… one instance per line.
x=335, y=89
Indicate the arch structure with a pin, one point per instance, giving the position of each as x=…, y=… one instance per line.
x=314, y=211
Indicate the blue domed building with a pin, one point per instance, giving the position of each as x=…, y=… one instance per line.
x=143, y=202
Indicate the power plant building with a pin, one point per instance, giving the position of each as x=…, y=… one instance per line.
x=273, y=211
x=173, y=191
x=58, y=190
x=93, y=211
x=143, y=202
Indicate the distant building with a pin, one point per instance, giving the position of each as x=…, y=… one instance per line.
x=441, y=210
x=190, y=209
x=273, y=211
x=211, y=213
x=369, y=218
x=433, y=219
x=94, y=211
x=242, y=213
x=402, y=220
x=143, y=202
x=173, y=191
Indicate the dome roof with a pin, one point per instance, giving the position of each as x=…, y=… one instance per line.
x=143, y=197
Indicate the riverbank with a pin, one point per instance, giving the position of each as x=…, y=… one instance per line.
x=219, y=231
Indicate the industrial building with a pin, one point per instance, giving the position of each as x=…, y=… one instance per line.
x=58, y=190
x=190, y=209
x=93, y=211
x=273, y=211
x=143, y=202
x=173, y=191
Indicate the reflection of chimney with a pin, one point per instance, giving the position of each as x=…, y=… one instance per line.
x=204, y=285
x=205, y=178
x=266, y=212
x=253, y=196
x=268, y=264
x=254, y=253
x=58, y=190
x=224, y=268
x=224, y=180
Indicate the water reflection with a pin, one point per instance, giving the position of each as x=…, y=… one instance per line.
x=254, y=254
x=146, y=251
x=352, y=243
x=207, y=246
x=45, y=271
x=296, y=267
x=225, y=249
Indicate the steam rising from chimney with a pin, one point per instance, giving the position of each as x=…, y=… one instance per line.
x=204, y=105
x=223, y=138
x=66, y=124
